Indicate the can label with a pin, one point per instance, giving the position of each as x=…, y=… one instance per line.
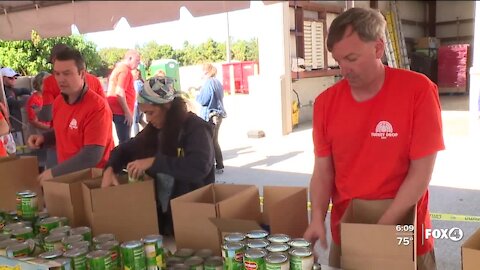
x=154, y=255
x=277, y=266
x=27, y=205
x=79, y=262
x=233, y=259
x=299, y=263
x=24, y=235
x=254, y=264
x=133, y=258
x=100, y=263
x=18, y=251
x=46, y=225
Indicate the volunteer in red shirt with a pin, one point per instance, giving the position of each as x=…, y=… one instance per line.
x=35, y=104
x=51, y=89
x=121, y=94
x=376, y=134
x=4, y=129
x=82, y=120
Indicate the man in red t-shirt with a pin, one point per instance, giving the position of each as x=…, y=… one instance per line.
x=35, y=103
x=376, y=134
x=4, y=129
x=82, y=120
x=121, y=94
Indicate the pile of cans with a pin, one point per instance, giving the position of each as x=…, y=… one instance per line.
x=257, y=250
x=189, y=259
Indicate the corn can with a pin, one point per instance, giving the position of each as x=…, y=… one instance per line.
x=86, y=232
x=254, y=259
x=153, y=245
x=99, y=260
x=277, y=261
x=133, y=255
x=232, y=253
x=301, y=258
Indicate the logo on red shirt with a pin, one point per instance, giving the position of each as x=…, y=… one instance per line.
x=384, y=130
x=73, y=124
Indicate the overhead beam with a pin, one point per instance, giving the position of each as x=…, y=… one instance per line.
x=432, y=18
x=35, y=4
x=456, y=21
x=307, y=5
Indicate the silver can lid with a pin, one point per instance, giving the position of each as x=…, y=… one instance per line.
x=299, y=242
x=180, y=266
x=49, y=255
x=79, y=244
x=5, y=243
x=63, y=229
x=5, y=236
x=54, y=238
x=234, y=237
x=255, y=253
x=276, y=258
x=22, y=230
x=204, y=253
x=26, y=194
x=184, y=252
x=153, y=238
x=278, y=247
x=257, y=243
x=301, y=252
x=193, y=261
x=80, y=230
x=98, y=254
x=257, y=234
x=132, y=244
x=49, y=220
x=101, y=238
x=233, y=245
x=278, y=238
x=75, y=252
x=108, y=245
x=214, y=261
x=72, y=239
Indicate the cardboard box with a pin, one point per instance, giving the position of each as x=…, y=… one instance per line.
x=18, y=174
x=427, y=43
x=63, y=195
x=367, y=245
x=192, y=212
x=129, y=211
x=217, y=209
x=471, y=252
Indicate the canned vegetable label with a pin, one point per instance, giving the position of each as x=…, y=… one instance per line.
x=27, y=206
x=114, y=248
x=78, y=258
x=154, y=253
x=277, y=261
x=99, y=260
x=232, y=253
x=47, y=224
x=257, y=234
x=301, y=258
x=254, y=259
x=133, y=255
x=85, y=231
x=2, y=223
x=18, y=250
x=22, y=234
x=53, y=242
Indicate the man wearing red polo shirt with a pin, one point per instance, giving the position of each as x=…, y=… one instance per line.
x=376, y=134
x=82, y=120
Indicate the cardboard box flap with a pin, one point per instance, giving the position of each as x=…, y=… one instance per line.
x=77, y=176
x=230, y=225
x=8, y=158
x=372, y=263
x=226, y=191
x=201, y=195
x=473, y=242
x=285, y=203
x=244, y=204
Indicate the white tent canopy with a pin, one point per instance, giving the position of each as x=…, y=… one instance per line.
x=55, y=18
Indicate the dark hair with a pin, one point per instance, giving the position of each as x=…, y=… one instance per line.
x=72, y=54
x=368, y=23
x=56, y=49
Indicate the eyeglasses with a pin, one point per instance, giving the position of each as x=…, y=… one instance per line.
x=12, y=78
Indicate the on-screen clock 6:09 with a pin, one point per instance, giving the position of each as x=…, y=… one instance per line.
x=405, y=228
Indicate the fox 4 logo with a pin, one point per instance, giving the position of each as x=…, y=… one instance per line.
x=455, y=234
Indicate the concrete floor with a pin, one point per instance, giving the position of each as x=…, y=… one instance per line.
x=288, y=161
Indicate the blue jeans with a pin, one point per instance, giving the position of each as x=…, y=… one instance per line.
x=122, y=128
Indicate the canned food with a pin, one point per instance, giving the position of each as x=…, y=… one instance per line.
x=257, y=243
x=99, y=260
x=51, y=255
x=184, y=253
x=12, y=226
x=204, y=253
x=133, y=255
x=78, y=258
x=85, y=231
x=213, y=263
x=2, y=223
x=63, y=229
x=278, y=247
x=80, y=244
x=18, y=250
x=277, y=261
x=69, y=240
x=65, y=263
x=43, y=214
x=47, y=224
x=153, y=245
x=22, y=234
x=232, y=253
x=234, y=237
x=63, y=235
x=194, y=263
x=114, y=248
x=53, y=242
x=6, y=243
x=299, y=242
x=63, y=221
x=5, y=236
x=316, y=266
x=102, y=238
x=172, y=260
x=257, y=234
x=27, y=205
x=301, y=258
x=278, y=238
x=12, y=217
x=180, y=266
x=254, y=259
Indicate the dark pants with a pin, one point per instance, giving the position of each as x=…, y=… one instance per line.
x=122, y=128
x=217, y=121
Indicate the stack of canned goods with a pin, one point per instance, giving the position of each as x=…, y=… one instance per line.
x=257, y=250
x=189, y=259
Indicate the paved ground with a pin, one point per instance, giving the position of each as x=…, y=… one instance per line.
x=288, y=161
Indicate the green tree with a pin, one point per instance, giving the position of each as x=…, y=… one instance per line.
x=110, y=56
x=28, y=57
x=243, y=50
x=153, y=51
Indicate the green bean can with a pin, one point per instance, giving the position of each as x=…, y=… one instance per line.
x=99, y=260
x=51, y=255
x=277, y=261
x=86, y=232
x=257, y=234
x=133, y=255
x=153, y=245
x=278, y=247
x=62, y=229
x=204, y=253
x=67, y=241
x=213, y=263
x=78, y=258
x=6, y=243
x=254, y=259
x=63, y=221
x=48, y=224
x=5, y=236
x=102, y=238
x=234, y=237
x=114, y=248
x=278, y=238
x=80, y=244
x=194, y=263
x=18, y=251
x=257, y=243
x=27, y=204
x=232, y=253
x=53, y=242
x=22, y=234
x=301, y=258
x=184, y=253
x=299, y=242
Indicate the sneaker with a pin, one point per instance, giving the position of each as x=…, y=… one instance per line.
x=218, y=171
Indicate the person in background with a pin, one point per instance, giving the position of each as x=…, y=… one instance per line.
x=121, y=94
x=175, y=148
x=137, y=114
x=212, y=110
x=4, y=129
x=82, y=120
x=35, y=103
x=376, y=134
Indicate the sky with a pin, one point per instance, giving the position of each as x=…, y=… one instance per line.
x=242, y=25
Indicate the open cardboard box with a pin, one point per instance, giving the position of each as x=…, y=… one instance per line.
x=129, y=211
x=367, y=245
x=63, y=195
x=471, y=252
x=202, y=217
x=18, y=174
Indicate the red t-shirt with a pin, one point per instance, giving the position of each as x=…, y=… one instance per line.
x=3, y=151
x=51, y=89
x=373, y=142
x=121, y=75
x=35, y=102
x=87, y=122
